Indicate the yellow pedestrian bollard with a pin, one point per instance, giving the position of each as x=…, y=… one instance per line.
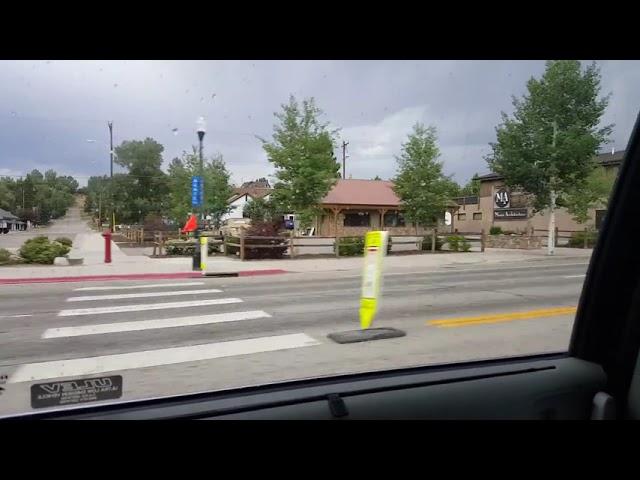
x=375, y=249
x=204, y=252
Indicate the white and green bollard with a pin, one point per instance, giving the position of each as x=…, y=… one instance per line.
x=204, y=253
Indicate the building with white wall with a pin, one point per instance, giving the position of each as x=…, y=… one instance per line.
x=244, y=194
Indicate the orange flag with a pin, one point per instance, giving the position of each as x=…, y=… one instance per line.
x=191, y=224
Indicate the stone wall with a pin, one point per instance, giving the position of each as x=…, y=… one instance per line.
x=513, y=241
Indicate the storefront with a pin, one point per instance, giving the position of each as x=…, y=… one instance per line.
x=498, y=205
x=354, y=207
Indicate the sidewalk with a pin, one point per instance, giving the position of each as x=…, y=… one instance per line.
x=491, y=256
x=90, y=246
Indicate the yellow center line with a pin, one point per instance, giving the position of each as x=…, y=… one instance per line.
x=500, y=317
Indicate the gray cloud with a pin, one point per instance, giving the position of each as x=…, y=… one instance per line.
x=51, y=109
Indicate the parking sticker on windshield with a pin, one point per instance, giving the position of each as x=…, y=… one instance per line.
x=71, y=392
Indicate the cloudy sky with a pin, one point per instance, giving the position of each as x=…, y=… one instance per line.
x=54, y=113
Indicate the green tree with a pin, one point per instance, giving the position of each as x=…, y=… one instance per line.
x=593, y=193
x=420, y=183
x=45, y=196
x=547, y=147
x=179, y=189
x=217, y=188
x=96, y=194
x=28, y=188
x=302, y=153
x=149, y=185
x=377, y=178
x=260, y=210
x=105, y=194
x=55, y=194
x=472, y=187
x=128, y=206
x=7, y=193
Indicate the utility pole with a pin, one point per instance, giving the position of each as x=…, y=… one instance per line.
x=111, y=217
x=344, y=159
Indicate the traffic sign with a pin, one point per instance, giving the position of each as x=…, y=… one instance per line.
x=196, y=191
x=375, y=248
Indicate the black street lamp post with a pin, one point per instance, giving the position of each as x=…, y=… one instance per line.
x=200, y=209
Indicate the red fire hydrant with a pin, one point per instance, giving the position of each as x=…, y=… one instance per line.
x=107, y=246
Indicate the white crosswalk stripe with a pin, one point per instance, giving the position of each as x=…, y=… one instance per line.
x=153, y=358
x=152, y=354
x=129, y=287
x=153, y=324
x=122, y=296
x=145, y=306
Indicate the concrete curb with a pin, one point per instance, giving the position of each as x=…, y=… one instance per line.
x=136, y=276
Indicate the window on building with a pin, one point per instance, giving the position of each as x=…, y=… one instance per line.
x=394, y=219
x=357, y=219
x=477, y=216
x=462, y=216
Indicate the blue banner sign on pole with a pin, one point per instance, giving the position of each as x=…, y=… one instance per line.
x=196, y=191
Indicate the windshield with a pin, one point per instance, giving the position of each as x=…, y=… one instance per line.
x=171, y=227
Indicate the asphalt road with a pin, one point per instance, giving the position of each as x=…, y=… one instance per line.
x=256, y=330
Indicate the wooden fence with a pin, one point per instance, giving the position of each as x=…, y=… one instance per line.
x=472, y=237
x=562, y=237
x=136, y=235
x=161, y=237
x=295, y=245
x=139, y=235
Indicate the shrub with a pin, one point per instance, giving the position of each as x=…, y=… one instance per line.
x=65, y=241
x=185, y=247
x=231, y=250
x=211, y=248
x=8, y=258
x=350, y=246
x=41, y=250
x=577, y=239
x=457, y=243
x=495, y=231
x=180, y=247
x=265, y=229
x=38, y=239
x=426, y=243
x=5, y=255
x=454, y=242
